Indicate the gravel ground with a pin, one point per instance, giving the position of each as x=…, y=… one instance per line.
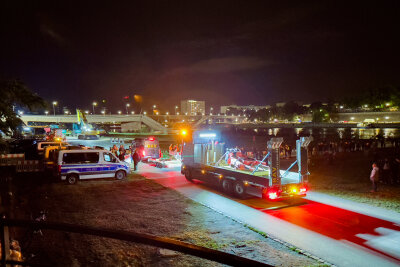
x=137, y=205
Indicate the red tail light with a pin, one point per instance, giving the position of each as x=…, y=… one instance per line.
x=303, y=190
x=151, y=138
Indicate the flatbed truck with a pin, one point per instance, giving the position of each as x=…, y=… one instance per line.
x=206, y=159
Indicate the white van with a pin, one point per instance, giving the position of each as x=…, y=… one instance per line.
x=74, y=165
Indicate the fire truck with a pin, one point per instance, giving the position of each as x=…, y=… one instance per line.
x=206, y=159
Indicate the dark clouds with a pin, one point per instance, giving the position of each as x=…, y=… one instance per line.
x=223, y=65
x=245, y=52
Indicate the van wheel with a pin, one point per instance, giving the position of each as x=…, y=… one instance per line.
x=226, y=186
x=239, y=189
x=120, y=175
x=72, y=179
x=188, y=176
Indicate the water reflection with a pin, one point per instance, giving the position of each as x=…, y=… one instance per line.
x=336, y=133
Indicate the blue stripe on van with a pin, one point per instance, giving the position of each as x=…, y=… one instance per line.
x=90, y=168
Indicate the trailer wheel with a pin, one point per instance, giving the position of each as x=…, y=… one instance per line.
x=239, y=189
x=72, y=179
x=226, y=185
x=188, y=175
x=120, y=175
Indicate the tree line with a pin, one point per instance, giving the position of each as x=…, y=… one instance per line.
x=373, y=99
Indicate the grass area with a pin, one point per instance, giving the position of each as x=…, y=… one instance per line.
x=348, y=177
x=137, y=205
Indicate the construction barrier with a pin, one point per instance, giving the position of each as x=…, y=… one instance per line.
x=29, y=166
x=11, y=159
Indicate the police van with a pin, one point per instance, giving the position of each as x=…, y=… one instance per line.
x=74, y=165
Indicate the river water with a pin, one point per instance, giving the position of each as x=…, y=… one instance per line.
x=256, y=137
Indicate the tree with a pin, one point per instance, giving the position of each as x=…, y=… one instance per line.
x=290, y=109
x=15, y=93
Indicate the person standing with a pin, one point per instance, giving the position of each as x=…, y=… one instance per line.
x=374, y=177
x=386, y=172
x=135, y=159
x=396, y=171
x=122, y=152
x=115, y=150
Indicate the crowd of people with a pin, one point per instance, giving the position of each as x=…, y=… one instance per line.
x=132, y=154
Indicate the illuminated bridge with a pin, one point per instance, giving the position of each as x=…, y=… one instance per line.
x=159, y=123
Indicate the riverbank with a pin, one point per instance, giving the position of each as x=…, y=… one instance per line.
x=138, y=205
x=347, y=176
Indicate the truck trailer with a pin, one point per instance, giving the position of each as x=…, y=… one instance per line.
x=205, y=158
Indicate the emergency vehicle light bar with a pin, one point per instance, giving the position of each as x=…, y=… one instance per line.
x=207, y=135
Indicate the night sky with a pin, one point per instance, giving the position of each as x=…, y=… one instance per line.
x=223, y=52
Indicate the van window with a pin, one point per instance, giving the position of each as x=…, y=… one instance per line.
x=92, y=157
x=79, y=158
x=108, y=157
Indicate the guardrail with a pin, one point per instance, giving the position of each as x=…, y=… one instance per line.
x=162, y=242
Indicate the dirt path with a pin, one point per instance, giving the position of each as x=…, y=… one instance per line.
x=137, y=205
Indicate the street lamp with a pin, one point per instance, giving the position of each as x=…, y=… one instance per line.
x=94, y=104
x=119, y=112
x=176, y=109
x=46, y=112
x=87, y=111
x=54, y=107
x=167, y=113
x=127, y=106
x=66, y=112
x=132, y=112
x=144, y=112
x=103, y=112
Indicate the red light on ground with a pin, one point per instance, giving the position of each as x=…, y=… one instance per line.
x=272, y=195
